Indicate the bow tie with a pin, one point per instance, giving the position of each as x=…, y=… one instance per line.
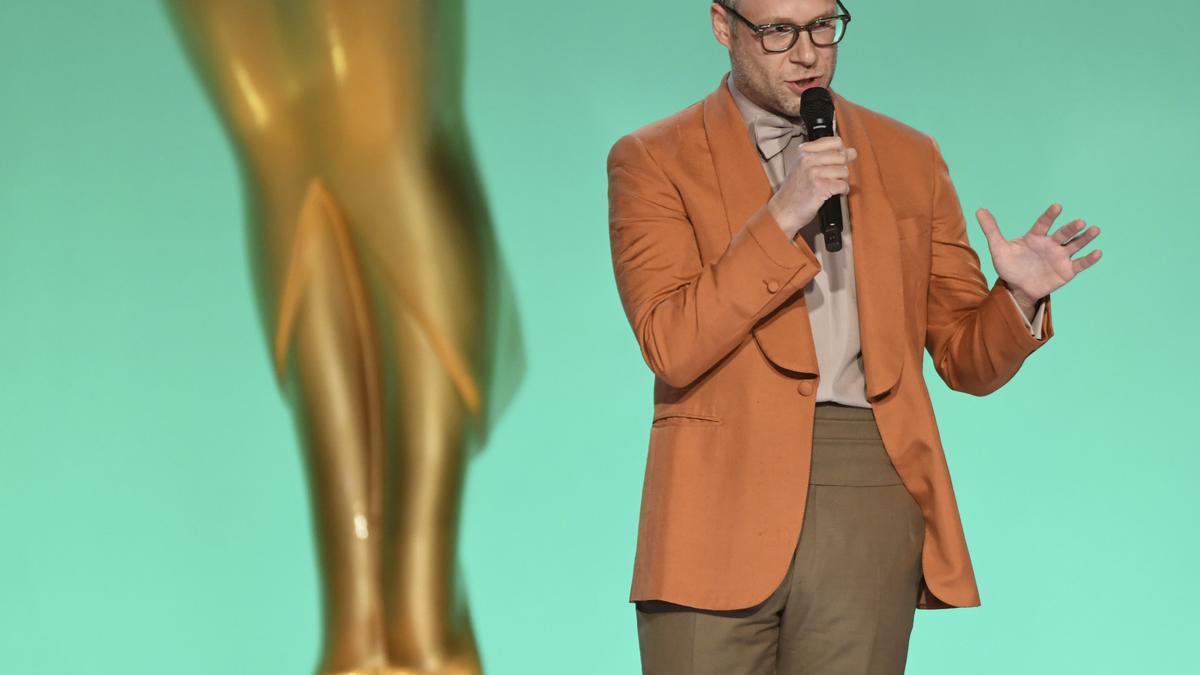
x=772, y=133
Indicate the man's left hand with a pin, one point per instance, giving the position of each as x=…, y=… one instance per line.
x=1036, y=264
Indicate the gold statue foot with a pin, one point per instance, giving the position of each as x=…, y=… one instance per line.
x=460, y=663
x=462, y=667
x=464, y=664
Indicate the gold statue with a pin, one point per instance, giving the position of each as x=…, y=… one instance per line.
x=389, y=312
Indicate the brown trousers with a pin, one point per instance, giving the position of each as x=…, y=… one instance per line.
x=846, y=604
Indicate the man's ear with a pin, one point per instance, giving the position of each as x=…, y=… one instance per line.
x=720, y=25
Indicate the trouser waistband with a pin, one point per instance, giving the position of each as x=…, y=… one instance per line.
x=848, y=449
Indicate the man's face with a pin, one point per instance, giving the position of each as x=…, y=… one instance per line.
x=764, y=76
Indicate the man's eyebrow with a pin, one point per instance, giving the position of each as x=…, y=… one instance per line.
x=785, y=19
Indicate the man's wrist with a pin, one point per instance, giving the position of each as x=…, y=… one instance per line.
x=1027, y=303
x=782, y=219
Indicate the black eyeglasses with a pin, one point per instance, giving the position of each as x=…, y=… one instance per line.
x=779, y=37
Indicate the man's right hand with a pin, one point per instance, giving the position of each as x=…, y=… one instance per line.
x=821, y=172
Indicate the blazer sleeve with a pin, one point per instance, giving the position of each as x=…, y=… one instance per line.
x=685, y=315
x=978, y=338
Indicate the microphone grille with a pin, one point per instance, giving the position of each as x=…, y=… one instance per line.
x=816, y=103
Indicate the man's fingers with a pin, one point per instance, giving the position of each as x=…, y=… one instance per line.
x=988, y=223
x=823, y=143
x=1084, y=239
x=1063, y=234
x=832, y=171
x=1044, y=221
x=828, y=157
x=1081, y=264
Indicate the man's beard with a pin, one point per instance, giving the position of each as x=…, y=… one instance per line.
x=782, y=102
x=752, y=79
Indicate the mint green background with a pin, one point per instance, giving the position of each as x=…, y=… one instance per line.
x=152, y=507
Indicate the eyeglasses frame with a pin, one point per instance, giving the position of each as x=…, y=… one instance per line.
x=758, y=29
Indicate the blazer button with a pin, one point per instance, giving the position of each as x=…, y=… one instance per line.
x=772, y=286
x=805, y=388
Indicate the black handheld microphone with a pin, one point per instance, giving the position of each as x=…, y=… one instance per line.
x=816, y=109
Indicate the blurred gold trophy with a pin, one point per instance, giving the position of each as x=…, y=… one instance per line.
x=389, y=311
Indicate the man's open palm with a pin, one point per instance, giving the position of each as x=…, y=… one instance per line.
x=1035, y=264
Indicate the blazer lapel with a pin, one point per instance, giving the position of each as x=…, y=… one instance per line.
x=876, y=244
x=785, y=336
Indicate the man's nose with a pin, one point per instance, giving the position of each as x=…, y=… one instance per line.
x=803, y=51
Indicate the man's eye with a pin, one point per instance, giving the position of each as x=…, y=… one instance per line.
x=821, y=25
x=777, y=30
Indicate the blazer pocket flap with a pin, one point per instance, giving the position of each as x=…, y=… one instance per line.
x=664, y=417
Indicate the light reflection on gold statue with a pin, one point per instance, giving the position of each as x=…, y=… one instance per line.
x=389, y=312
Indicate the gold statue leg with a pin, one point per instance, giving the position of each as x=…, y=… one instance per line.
x=326, y=354
x=382, y=292
x=428, y=624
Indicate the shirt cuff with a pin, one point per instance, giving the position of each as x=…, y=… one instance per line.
x=1037, y=315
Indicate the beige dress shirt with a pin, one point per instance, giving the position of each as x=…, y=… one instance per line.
x=831, y=296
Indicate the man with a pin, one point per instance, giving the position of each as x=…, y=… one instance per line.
x=781, y=365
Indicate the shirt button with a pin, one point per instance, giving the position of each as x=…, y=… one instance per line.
x=805, y=388
x=772, y=286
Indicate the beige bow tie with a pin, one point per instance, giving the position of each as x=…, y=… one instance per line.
x=772, y=133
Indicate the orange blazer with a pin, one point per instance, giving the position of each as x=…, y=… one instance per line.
x=713, y=290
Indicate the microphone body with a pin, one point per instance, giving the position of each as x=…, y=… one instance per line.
x=816, y=109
